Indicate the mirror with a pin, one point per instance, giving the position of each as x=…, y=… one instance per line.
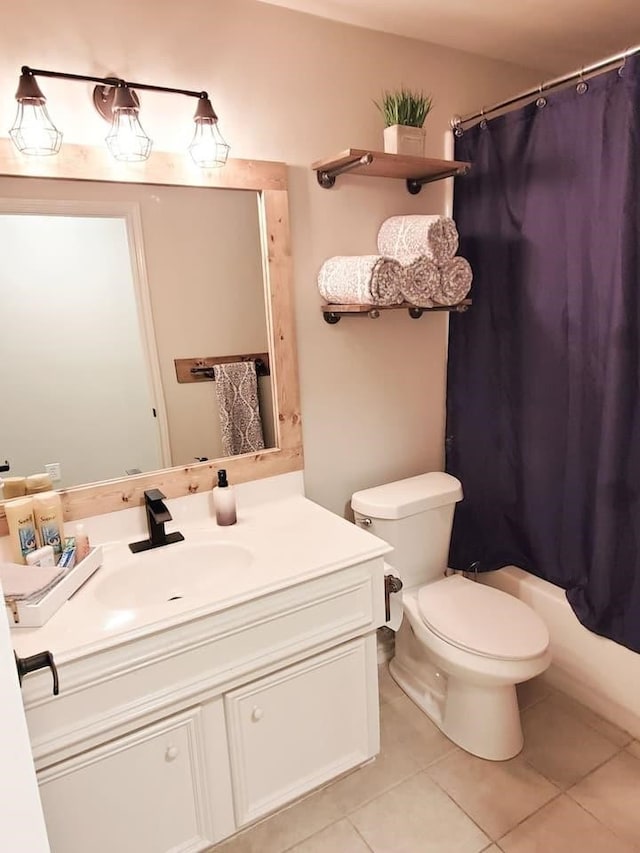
x=127, y=281
x=217, y=266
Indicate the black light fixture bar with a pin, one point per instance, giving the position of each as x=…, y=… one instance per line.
x=110, y=81
x=116, y=100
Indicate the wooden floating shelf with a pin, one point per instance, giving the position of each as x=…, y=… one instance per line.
x=416, y=171
x=333, y=313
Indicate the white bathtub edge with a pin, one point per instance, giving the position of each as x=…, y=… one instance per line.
x=599, y=673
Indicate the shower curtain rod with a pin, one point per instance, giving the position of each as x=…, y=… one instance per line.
x=458, y=121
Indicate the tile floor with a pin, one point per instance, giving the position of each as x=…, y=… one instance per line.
x=575, y=788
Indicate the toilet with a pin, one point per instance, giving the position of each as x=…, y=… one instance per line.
x=461, y=646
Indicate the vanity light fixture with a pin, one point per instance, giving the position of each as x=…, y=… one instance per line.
x=208, y=148
x=116, y=100
x=33, y=132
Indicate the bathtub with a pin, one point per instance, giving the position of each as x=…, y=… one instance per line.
x=601, y=674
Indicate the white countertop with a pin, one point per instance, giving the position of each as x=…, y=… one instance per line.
x=291, y=540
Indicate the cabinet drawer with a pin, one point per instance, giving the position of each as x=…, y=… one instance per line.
x=295, y=729
x=143, y=793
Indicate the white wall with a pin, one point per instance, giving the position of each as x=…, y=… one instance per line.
x=292, y=87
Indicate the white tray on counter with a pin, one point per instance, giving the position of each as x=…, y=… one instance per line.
x=22, y=614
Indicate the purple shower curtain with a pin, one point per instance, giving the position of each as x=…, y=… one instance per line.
x=543, y=408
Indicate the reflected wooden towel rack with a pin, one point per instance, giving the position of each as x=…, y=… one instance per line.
x=201, y=369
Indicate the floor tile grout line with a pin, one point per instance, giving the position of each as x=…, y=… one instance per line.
x=552, y=799
x=462, y=809
x=559, y=793
x=595, y=767
x=396, y=784
x=586, y=721
x=317, y=832
x=599, y=820
x=360, y=835
x=533, y=704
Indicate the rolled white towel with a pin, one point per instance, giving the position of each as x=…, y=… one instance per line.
x=455, y=281
x=421, y=282
x=361, y=280
x=407, y=237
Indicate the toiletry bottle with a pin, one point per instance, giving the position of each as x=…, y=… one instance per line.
x=224, y=500
x=49, y=520
x=82, y=542
x=22, y=528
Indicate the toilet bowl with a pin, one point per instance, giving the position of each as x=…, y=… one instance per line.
x=462, y=646
x=461, y=669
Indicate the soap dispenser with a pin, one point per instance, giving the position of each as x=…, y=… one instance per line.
x=224, y=500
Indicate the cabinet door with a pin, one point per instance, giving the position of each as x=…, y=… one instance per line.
x=295, y=729
x=143, y=793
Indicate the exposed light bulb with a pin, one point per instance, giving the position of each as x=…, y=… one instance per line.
x=208, y=149
x=33, y=132
x=127, y=140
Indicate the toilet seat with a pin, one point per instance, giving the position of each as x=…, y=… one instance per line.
x=482, y=620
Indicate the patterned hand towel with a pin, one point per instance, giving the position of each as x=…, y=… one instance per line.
x=237, y=393
x=421, y=282
x=407, y=237
x=455, y=281
x=361, y=280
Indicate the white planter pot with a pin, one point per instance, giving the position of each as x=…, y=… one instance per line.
x=399, y=139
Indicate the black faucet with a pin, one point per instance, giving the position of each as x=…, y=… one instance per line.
x=157, y=515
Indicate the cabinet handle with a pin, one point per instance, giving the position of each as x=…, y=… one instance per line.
x=257, y=714
x=172, y=753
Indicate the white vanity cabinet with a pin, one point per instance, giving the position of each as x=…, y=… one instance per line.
x=144, y=792
x=177, y=738
x=299, y=727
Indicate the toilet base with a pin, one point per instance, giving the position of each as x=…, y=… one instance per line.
x=484, y=721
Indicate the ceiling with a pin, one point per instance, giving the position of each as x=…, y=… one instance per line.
x=555, y=36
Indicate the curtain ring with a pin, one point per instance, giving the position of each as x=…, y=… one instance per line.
x=483, y=121
x=456, y=126
x=582, y=86
x=540, y=101
x=624, y=62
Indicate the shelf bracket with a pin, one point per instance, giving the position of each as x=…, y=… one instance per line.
x=414, y=185
x=333, y=317
x=327, y=177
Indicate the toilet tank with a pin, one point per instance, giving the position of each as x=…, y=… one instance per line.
x=415, y=516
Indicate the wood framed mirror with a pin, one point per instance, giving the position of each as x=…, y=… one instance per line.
x=268, y=181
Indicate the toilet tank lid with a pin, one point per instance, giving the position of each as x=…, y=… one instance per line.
x=408, y=497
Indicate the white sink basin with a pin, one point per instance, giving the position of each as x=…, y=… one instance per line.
x=183, y=570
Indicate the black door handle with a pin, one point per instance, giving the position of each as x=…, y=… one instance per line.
x=35, y=662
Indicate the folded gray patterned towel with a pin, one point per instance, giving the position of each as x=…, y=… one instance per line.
x=407, y=237
x=361, y=280
x=455, y=281
x=421, y=282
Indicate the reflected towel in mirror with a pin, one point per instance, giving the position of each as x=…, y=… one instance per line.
x=240, y=421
